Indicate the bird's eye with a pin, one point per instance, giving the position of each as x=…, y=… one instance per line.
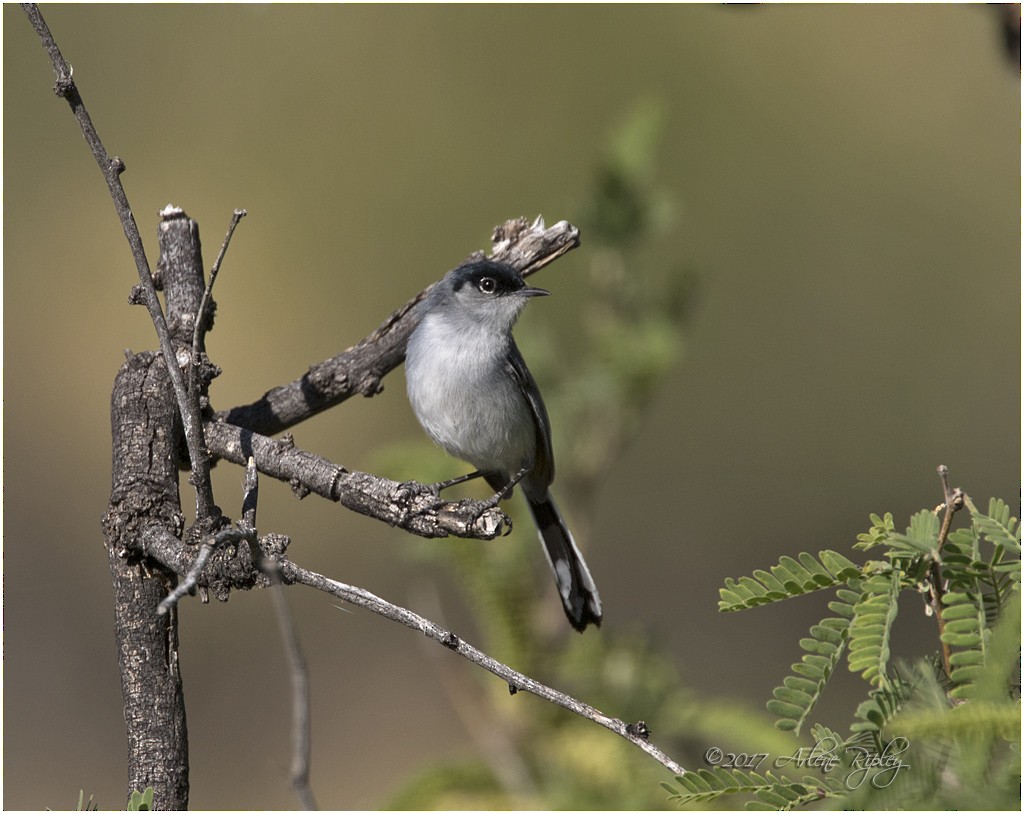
x=488, y=285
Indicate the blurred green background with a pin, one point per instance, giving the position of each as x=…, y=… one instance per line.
x=840, y=183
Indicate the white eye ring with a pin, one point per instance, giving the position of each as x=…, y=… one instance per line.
x=487, y=285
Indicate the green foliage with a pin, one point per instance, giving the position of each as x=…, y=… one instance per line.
x=921, y=537
x=787, y=579
x=873, y=617
x=141, y=801
x=999, y=528
x=86, y=805
x=796, y=698
x=771, y=792
x=944, y=732
x=873, y=715
x=965, y=623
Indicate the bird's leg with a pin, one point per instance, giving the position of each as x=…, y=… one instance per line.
x=441, y=486
x=506, y=490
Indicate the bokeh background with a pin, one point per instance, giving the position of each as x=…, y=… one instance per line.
x=839, y=185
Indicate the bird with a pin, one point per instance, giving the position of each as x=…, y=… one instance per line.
x=474, y=396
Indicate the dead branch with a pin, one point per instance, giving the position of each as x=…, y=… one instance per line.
x=526, y=246
x=636, y=733
x=411, y=506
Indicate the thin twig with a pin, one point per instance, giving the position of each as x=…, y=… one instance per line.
x=299, y=678
x=250, y=501
x=225, y=536
x=112, y=167
x=250, y=494
x=189, y=582
x=494, y=742
x=636, y=733
x=953, y=501
x=297, y=671
x=202, y=318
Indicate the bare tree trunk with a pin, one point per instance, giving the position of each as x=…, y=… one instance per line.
x=146, y=439
x=147, y=447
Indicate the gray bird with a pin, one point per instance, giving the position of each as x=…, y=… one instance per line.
x=472, y=392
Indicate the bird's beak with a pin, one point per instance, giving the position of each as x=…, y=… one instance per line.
x=530, y=291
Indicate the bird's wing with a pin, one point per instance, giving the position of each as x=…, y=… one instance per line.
x=544, y=467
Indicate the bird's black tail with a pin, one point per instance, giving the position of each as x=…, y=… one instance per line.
x=575, y=585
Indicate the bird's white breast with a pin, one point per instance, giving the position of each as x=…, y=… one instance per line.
x=463, y=395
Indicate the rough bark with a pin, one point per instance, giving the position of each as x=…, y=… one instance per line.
x=148, y=444
x=412, y=506
x=146, y=441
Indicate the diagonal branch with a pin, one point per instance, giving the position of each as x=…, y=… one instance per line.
x=527, y=247
x=636, y=733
